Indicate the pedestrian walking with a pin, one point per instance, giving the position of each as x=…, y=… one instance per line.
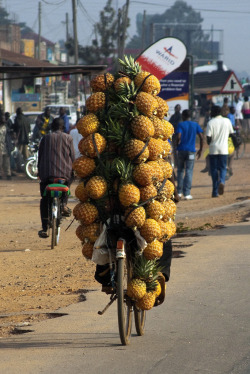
x=22, y=129
x=218, y=130
x=186, y=136
x=174, y=120
x=6, y=146
x=246, y=114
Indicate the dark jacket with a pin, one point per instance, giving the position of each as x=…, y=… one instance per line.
x=41, y=127
x=22, y=129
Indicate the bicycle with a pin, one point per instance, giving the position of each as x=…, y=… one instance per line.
x=123, y=248
x=55, y=192
x=31, y=164
x=241, y=141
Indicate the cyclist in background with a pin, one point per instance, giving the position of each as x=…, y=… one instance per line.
x=55, y=158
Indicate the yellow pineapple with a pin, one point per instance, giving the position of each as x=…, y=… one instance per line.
x=135, y=217
x=147, y=301
x=163, y=108
x=158, y=175
x=157, y=290
x=142, y=127
x=136, y=289
x=129, y=194
x=133, y=148
x=88, y=124
x=166, y=168
x=147, y=83
x=102, y=82
x=166, y=147
x=151, y=230
x=80, y=233
x=166, y=192
x=169, y=128
x=148, y=192
x=155, y=210
x=146, y=104
x=87, y=250
x=96, y=187
x=81, y=192
x=83, y=166
x=161, y=130
x=85, y=212
x=120, y=82
x=153, y=250
x=155, y=147
x=96, y=102
x=170, y=210
x=91, y=143
x=90, y=232
x=143, y=174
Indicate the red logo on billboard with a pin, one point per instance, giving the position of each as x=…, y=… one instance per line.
x=169, y=51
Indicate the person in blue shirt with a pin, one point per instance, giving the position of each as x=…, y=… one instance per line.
x=186, y=136
x=63, y=115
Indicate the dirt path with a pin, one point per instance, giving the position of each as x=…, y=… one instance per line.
x=36, y=281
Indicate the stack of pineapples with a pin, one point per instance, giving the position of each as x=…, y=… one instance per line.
x=123, y=169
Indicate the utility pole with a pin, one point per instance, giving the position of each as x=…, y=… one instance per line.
x=143, y=37
x=75, y=47
x=39, y=29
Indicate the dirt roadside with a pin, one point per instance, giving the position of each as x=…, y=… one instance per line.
x=35, y=281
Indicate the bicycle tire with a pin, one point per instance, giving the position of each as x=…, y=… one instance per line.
x=53, y=236
x=140, y=319
x=124, y=306
x=31, y=169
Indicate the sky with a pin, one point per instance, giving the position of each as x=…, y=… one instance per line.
x=230, y=17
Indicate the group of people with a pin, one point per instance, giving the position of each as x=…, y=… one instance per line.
x=219, y=128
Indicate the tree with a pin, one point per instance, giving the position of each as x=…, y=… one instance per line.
x=180, y=21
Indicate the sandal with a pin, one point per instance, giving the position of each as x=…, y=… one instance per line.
x=43, y=234
x=66, y=211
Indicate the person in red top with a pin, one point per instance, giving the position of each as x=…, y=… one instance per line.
x=55, y=158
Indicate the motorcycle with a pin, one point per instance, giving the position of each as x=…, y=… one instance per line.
x=31, y=164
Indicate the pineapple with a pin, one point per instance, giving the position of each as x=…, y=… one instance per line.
x=166, y=168
x=153, y=250
x=85, y=212
x=129, y=194
x=95, y=102
x=143, y=174
x=135, y=217
x=102, y=82
x=169, y=129
x=88, y=124
x=136, y=289
x=80, y=233
x=92, y=143
x=151, y=230
x=155, y=210
x=155, y=147
x=142, y=128
x=158, y=175
x=148, y=192
x=147, y=301
x=157, y=290
x=87, y=250
x=147, y=82
x=166, y=147
x=83, y=166
x=161, y=130
x=162, y=109
x=133, y=148
x=146, y=104
x=120, y=82
x=170, y=210
x=166, y=192
x=96, y=187
x=81, y=192
x=168, y=229
x=90, y=232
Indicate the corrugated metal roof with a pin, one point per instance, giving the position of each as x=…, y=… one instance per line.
x=11, y=58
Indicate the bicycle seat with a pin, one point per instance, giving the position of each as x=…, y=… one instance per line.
x=56, y=190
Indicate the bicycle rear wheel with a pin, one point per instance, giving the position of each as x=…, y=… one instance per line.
x=140, y=319
x=124, y=306
x=53, y=229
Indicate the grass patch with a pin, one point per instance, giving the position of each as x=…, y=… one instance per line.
x=181, y=227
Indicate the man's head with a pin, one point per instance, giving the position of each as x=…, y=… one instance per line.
x=47, y=112
x=215, y=111
x=62, y=111
x=57, y=124
x=232, y=109
x=2, y=119
x=177, y=108
x=19, y=111
x=185, y=115
x=7, y=115
x=225, y=100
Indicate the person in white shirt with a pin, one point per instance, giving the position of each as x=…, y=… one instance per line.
x=218, y=130
x=238, y=110
x=76, y=138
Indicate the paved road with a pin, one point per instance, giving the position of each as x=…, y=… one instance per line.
x=203, y=327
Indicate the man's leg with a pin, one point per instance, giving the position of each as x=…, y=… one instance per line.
x=222, y=168
x=165, y=260
x=180, y=171
x=44, y=207
x=187, y=183
x=214, y=174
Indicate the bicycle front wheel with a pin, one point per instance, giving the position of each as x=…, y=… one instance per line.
x=124, y=306
x=31, y=169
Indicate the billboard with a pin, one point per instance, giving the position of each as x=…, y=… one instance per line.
x=166, y=59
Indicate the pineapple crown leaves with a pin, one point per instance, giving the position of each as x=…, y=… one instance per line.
x=144, y=269
x=123, y=111
x=129, y=66
x=122, y=169
x=115, y=131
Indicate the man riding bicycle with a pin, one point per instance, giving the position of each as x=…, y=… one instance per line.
x=55, y=158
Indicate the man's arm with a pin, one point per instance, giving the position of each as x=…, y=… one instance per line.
x=201, y=145
x=209, y=139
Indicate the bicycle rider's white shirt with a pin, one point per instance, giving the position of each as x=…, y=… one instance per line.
x=219, y=129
